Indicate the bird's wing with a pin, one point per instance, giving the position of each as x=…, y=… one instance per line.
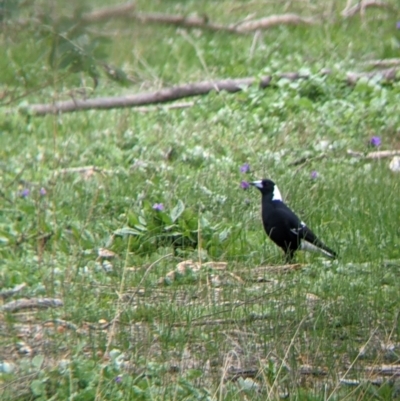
x=309, y=242
x=290, y=217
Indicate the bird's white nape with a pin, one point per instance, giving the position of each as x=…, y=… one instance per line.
x=277, y=194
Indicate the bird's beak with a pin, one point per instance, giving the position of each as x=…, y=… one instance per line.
x=257, y=184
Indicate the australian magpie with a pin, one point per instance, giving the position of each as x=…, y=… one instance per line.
x=283, y=226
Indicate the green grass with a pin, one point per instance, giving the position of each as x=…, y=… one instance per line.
x=135, y=331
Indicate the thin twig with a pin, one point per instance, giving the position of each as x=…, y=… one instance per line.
x=9, y=293
x=219, y=322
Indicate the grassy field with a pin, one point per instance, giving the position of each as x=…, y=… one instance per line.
x=194, y=303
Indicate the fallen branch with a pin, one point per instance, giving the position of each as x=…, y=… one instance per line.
x=192, y=21
x=201, y=22
x=241, y=27
x=389, y=74
x=374, y=155
x=384, y=63
x=188, y=90
x=273, y=20
x=106, y=13
x=235, y=373
x=140, y=99
x=362, y=5
x=39, y=303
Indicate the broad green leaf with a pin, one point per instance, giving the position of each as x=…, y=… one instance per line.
x=37, y=361
x=177, y=211
x=38, y=388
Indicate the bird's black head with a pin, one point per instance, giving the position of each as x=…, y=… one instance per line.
x=268, y=188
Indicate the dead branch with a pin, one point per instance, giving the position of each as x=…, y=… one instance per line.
x=384, y=63
x=127, y=11
x=389, y=74
x=374, y=155
x=39, y=303
x=273, y=20
x=362, y=5
x=106, y=13
x=160, y=96
x=188, y=90
x=235, y=373
x=183, y=21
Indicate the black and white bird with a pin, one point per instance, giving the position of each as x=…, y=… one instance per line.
x=283, y=226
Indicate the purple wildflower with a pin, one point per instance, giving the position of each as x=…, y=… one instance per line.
x=24, y=193
x=398, y=25
x=375, y=141
x=244, y=185
x=245, y=168
x=158, y=206
x=43, y=191
x=314, y=175
x=118, y=379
